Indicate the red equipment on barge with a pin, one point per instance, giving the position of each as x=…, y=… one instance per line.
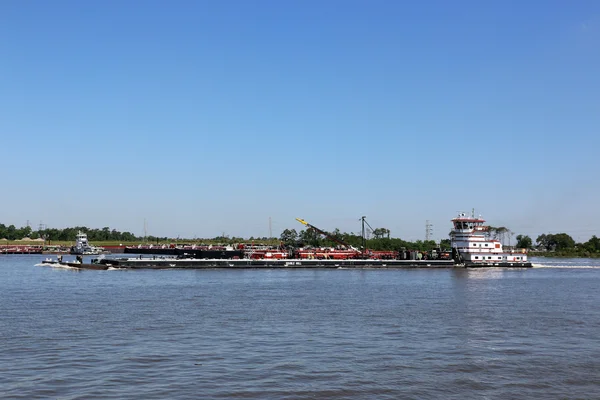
x=20, y=249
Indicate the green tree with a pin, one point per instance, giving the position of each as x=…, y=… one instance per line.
x=23, y=232
x=309, y=237
x=543, y=241
x=382, y=243
x=11, y=232
x=524, y=242
x=379, y=233
x=556, y=242
x=593, y=244
x=503, y=234
x=329, y=240
x=563, y=242
x=289, y=237
x=445, y=243
x=104, y=234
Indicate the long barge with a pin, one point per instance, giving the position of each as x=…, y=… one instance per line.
x=194, y=263
x=471, y=248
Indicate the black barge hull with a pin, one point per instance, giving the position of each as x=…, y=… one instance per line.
x=500, y=265
x=96, y=266
x=144, y=263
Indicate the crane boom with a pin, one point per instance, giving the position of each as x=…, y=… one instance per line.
x=322, y=232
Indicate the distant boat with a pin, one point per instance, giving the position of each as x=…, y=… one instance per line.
x=83, y=248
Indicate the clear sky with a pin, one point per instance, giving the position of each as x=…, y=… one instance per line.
x=204, y=117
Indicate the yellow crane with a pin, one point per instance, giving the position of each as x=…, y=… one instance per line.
x=329, y=235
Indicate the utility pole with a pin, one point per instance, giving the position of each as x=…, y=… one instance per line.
x=44, y=236
x=270, y=229
x=428, y=230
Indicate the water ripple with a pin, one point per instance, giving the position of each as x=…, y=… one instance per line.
x=300, y=334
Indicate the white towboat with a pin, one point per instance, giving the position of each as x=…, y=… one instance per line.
x=82, y=246
x=472, y=247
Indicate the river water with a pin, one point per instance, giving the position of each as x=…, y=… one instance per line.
x=255, y=334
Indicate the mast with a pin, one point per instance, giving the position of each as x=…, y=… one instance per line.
x=364, y=233
x=364, y=239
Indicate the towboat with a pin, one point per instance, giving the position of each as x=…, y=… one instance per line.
x=82, y=246
x=472, y=246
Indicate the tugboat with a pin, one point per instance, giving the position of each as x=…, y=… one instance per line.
x=82, y=246
x=471, y=246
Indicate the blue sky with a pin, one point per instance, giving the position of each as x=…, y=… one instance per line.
x=204, y=117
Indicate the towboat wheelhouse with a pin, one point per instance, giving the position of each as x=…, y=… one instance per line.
x=81, y=240
x=472, y=246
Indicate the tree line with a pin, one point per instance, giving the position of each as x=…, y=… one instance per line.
x=557, y=243
x=380, y=239
x=68, y=234
x=563, y=243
